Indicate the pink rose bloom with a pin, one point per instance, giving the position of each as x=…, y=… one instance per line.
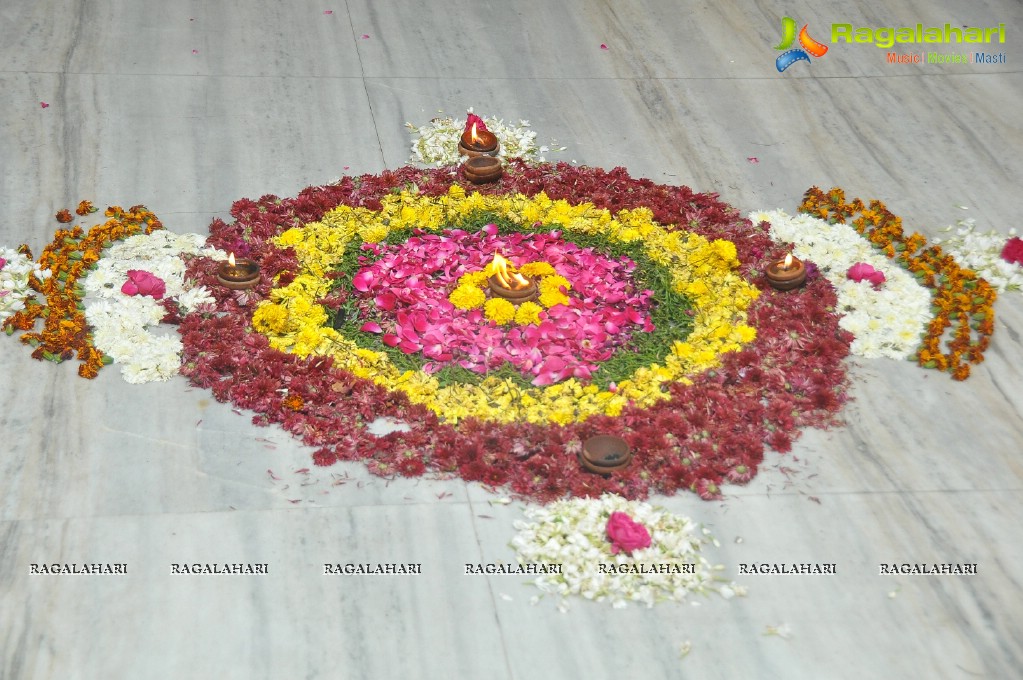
x=3, y=263
x=626, y=535
x=143, y=283
x=861, y=271
x=1013, y=250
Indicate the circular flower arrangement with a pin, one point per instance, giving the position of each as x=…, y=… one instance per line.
x=358, y=309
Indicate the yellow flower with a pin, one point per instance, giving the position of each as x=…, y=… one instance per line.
x=373, y=233
x=551, y=298
x=477, y=279
x=528, y=313
x=467, y=297
x=270, y=318
x=536, y=269
x=554, y=283
x=291, y=237
x=499, y=310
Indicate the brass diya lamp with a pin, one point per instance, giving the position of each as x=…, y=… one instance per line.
x=476, y=142
x=482, y=169
x=786, y=274
x=238, y=274
x=513, y=287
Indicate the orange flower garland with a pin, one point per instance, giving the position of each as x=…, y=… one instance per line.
x=71, y=253
x=961, y=298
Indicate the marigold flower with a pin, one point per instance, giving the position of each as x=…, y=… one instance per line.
x=467, y=297
x=499, y=310
x=84, y=208
x=64, y=216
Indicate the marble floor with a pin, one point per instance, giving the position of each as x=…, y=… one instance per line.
x=186, y=106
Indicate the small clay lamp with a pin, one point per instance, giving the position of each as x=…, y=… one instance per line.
x=482, y=169
x=604, y=454
x=786, y=274
x=238, y=274
x=476, y=142
x=515, y=288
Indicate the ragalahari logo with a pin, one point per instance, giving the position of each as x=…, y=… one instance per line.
x=808, y=44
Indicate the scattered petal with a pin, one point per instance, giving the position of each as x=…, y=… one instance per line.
x=371, y=327
x=752, y=159
x=195, y=51
x=328, y=11
x=365, y=36
x=603, y=46
x=44, y=105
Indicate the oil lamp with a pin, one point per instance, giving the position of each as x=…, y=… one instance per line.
x=476, y=142
x=786, y=274
x=513, y=287
x=238, y=274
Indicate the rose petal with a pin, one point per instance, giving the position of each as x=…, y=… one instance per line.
x=371, y=327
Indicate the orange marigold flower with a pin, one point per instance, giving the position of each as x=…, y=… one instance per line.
x=294, y=402
x=84, y=208
x=64, y=216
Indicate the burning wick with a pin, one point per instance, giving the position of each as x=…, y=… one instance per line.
x=786, y=274
x=238, y=274
x=477, y=143
x=499, y=268
x=513, y=287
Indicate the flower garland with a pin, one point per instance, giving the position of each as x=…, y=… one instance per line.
x=885, y=322
x=124, y=321
x=618, y=551
x=961, y=298
x=437, y=141
x=985, y=253
x=707, y=429
x=295, y=322
x=68, y=257
x=17, y=271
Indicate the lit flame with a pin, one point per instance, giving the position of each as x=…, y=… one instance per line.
x=499, y=268
x=230, y=259
x=788, y=262
x=475, y=137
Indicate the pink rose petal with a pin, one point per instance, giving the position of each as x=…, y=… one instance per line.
x=328, y=11
x=753, y=159
x=371, y=327
x=365, y=36
x=362, y=281
x=603, y=46
x=44, y=105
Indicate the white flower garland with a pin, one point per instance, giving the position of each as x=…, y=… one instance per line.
x=127, y=327
x=15, y=275
x=437, y=143
x=982, y=252
x=886, y=322
x=572, y=533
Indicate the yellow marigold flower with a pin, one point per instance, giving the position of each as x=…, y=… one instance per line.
x=467, y=297
x=477, y=279
x=551, y=298
x=499, y=311
x=536, y=269
x=270, y=318
x=456, y=192
x=528, y=313
x=554, y=283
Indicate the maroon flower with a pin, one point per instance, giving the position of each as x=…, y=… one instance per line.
x=1013, y=250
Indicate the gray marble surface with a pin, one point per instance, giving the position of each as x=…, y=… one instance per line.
x=186, y=107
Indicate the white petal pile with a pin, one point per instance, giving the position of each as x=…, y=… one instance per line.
x=982, y=252
x=437, y=143
x=572, y=533
x=127, y=327
x=15, y=272
x=889, y=321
